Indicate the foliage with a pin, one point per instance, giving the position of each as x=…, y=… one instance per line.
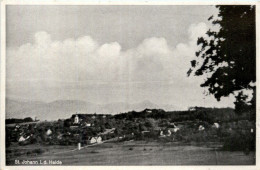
x=13, y=120
x=229, y=55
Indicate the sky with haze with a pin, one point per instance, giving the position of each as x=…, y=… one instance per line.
x=106, y=54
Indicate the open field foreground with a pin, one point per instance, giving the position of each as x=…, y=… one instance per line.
x=130, y=153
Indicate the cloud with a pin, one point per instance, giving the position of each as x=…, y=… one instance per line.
x=84, y=60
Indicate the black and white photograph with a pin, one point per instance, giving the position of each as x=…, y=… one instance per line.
x=130, y=85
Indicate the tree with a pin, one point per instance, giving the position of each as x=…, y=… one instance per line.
x=229, y=55
x=241, y=105
x=28, y=119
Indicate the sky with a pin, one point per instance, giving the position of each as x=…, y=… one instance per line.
x=107, y=54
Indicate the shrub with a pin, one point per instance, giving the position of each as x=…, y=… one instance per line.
x=240, y=141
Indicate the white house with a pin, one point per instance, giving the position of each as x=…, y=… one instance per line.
x=161, y=133
x=149, y=111
x=49, y=132
x=216, y=125
x=201, y=128
x=96, y=139
x=176, y=129
x=169, y=133
x=91, y=140
x=76, y=119
x=21, y=139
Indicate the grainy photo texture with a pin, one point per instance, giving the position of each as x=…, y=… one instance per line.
x=130, y=85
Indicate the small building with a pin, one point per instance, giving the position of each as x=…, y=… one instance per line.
x=161, y=134
x=149, y=111
x=176, y=129
x=216, y=125
x=192, y=108
x=76, y=119
x=171, y=124
x=169, y=133
x=21, y=139
x=92, y=140
x=98, y=139
x=201, y=128
x=49, y=132
x=145, y=131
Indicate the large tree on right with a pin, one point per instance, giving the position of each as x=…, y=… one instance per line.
x=228, y=55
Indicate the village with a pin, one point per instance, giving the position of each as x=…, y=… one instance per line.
x=150, y=124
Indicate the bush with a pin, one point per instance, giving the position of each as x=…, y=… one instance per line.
x=240, y=141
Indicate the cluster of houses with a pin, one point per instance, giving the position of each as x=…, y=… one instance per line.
x=83, y=120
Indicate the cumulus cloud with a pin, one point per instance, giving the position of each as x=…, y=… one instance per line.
x=84, y=60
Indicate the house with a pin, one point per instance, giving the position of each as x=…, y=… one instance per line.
x=145, y=131
x=76, y=119
x=149, y=111
x=201, y=128
x=161, y=134
x=176, y=129
x=192, y=108
x=49, y=132
x=92, y=140
x=98, y=139
x=171, y=124
x=216, y=125
x=169, y=133
x=22, y=139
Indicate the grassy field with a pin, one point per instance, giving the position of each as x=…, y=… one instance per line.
x=132, y=153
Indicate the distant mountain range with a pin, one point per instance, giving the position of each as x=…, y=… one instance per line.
x=61, y=109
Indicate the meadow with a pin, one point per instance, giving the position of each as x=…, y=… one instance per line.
x=133, y=153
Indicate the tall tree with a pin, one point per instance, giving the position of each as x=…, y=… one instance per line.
x=229, y=55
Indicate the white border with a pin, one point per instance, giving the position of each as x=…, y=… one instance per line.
x=118, y=2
